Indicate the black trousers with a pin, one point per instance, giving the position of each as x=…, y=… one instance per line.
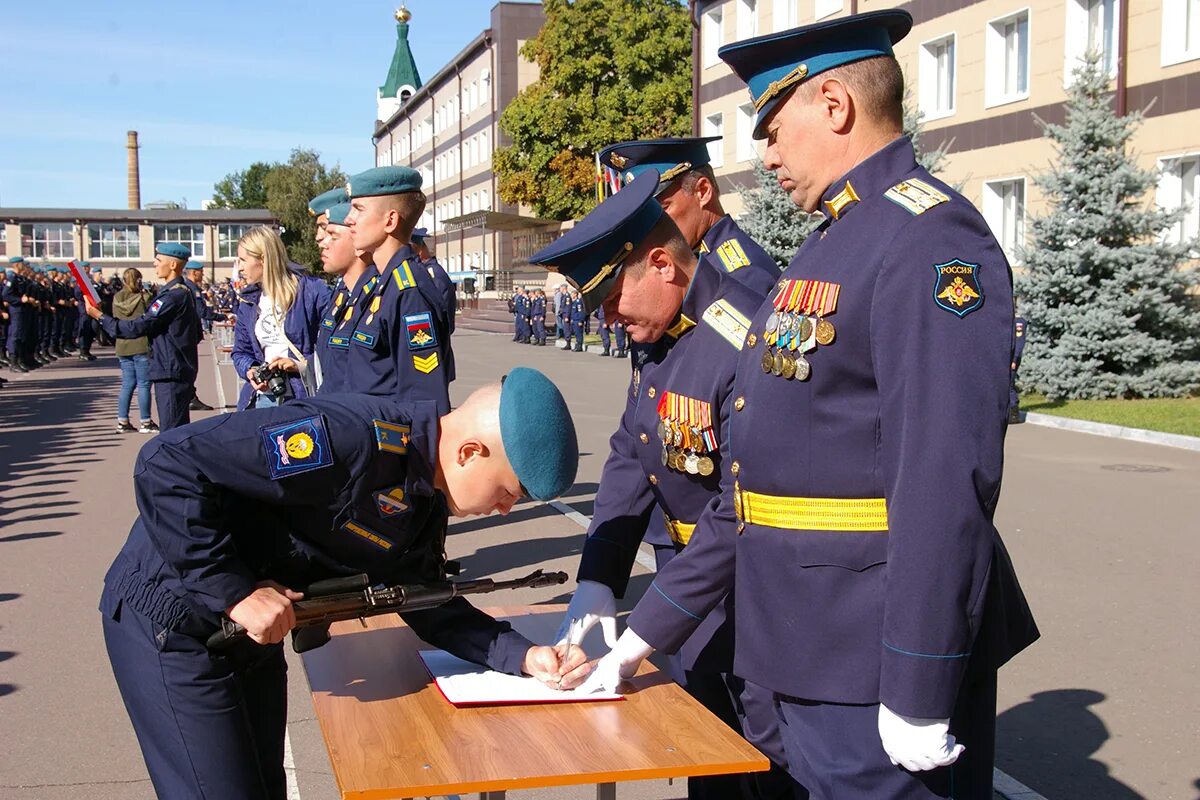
x=173, y=399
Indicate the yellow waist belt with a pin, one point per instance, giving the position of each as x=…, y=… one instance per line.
x=681, y=532
x=811, y=513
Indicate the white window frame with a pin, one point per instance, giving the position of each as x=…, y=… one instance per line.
x=712, y=35
x=746, y=150
x=1171, y=193
x=747, y=19
x=171, y=233
x=825, y=8
x=1180, y=31
x=227, y=239
x=1075, y=41
x=994, y=212
x=929, y=77
x=785, y=14
x=996, y=59
x=127, y=246
x=37, y=241
x=714, y=125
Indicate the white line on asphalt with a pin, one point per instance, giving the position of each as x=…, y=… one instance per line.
x=289, y=767
x=644, y=557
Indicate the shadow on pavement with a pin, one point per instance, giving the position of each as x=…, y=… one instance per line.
x=1049, y=744
x=523, y=553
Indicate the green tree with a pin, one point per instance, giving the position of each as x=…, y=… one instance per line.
x=289, y=187
x=610, y=70
x=772, y=219
x=245, y=189
x=932, y=160
x=1106, y=297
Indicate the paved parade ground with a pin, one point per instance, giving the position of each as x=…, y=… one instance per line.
x=1102, y=533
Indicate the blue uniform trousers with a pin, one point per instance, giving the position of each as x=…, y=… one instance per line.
x=605, y=338
x=173, y=399
x=834, y=750
x=87, y=332
x=16, y=334
x=539, y=329
x=209, y=726
x=577, y=331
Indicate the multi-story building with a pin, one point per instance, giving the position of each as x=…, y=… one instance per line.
x=116, y=239
x=447, y=128
x=982, y=73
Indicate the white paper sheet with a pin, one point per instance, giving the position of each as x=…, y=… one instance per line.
x=467, y=684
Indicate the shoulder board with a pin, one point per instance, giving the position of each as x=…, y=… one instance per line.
x=180, y=286
x=703, y=247
x=732, y=256
x=390, y=437
x=916, y=196
x=404, y=277
x=726, y=320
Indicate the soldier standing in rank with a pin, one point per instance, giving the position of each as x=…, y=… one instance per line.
x=398, y=347
x=578, y=312
x=520, y=311
x=17, y=303
x=318, y=209
x=691, y=320
x=353, y=292
x=193, y=278
x=441, y=279
x=1014, y=398
x=872, y=591
x=173, y=327
x=5, y=277
x=537, y=310
x=85, y=326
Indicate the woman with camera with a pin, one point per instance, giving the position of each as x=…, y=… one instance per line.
x=278, y=316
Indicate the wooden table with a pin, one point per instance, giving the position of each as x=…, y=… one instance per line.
x=391, y=734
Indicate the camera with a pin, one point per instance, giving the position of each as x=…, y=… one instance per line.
x=275, y=379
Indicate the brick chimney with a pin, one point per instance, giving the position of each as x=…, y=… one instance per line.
x=135, y=184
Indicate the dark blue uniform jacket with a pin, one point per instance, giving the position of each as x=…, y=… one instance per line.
x=174, y=331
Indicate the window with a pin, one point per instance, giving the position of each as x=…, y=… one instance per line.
x=745, y=133
x=937, y=77
x=487, y=200
x=51, y=240
x=114, y=241
x=714, y=125
x=1007, y=73
x=190, y=236
x=1091, y=26
x=3, y=234
x=1178, y=189
x=824, y=8
x=474, y=95
x=785, y=14
x=485, y=152
x=1180, y=31
x=1004, y=210
x=711, y=35
x=747, y=18
x=227, y=239
x=485, y=86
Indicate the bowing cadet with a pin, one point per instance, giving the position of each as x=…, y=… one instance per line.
x=353, y=292
x=691, y=320
x=873, y=593
x=238, y=512
x=173, y=327
x=398, y=346
x=318, y=209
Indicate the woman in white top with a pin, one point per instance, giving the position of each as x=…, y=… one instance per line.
x=278, y=315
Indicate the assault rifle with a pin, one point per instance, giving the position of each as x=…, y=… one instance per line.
x=353, y=597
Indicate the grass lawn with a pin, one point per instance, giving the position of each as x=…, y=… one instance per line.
x=1169, y=415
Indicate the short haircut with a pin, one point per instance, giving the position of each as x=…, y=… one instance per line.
x=687, y=181
x=410, y=205
x=876, y=84
x=665, y=234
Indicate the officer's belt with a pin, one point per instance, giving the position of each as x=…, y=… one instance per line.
x=681, y=532
x=810, y=513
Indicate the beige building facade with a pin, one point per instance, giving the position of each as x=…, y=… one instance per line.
x=982, y=73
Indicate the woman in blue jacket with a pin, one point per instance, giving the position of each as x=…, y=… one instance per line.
x=278, y=315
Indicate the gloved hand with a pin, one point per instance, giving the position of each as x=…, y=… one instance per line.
x=621, y=662
x=914, y=743
x=592, y=602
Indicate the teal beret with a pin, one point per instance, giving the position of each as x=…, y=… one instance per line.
x=193, y=265
x=173, y=250
x=337, y=214
x=325, y=200
x=83, y=264
x=51, y=268
x=538, y=433
x=16, y=260
x=383, y=181
x=36, y=268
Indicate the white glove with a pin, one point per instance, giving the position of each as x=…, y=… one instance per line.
x=592, y=602
x=916, y=744
x=621, y=662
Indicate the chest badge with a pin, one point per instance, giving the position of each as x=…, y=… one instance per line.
x=957, y=288
x=295, y=447
x=390, y=502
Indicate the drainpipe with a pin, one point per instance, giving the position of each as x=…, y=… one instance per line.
x=1122, y=56
x=692, y=12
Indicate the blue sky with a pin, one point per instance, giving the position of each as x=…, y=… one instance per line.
x=210, y=87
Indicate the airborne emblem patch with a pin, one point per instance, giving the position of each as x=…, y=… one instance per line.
x=295, y=447
x=957, y=288
x=419, y=329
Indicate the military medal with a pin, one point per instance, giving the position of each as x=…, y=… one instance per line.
x=798, y=325
x=705, y=466
x=777, y=366
x=789, y=367
x=685, y=427
x=768, y=360
x=825, y=332
x=803, y=368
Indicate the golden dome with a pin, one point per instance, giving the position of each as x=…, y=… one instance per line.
x=403, y=14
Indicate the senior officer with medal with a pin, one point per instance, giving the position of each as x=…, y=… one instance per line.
x=691, y=318
x=873, y=593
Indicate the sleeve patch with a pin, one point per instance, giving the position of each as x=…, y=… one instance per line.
x=404, y=277
x=155, y=307
x=726, y=320
x=295, y=447
x=916, y=196
x=391, y=437
x=426, y=364
x=732, y=256
x=419, y=330
x=390, y=502
x=957, y=288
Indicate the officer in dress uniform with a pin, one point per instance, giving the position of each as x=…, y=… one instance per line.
x=691, y=318
x=173, y=327
x=873, y=593
x=399, y=342
x=1014, y=398
x=353, y=292
x=578, y=311
x=239, y=511
x=537, y=311
x=520, y=313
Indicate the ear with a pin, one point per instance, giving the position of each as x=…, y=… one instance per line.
x=836, y=105
x=391, y=220
x=469, y=450
x=704, y=190
x=660, y=260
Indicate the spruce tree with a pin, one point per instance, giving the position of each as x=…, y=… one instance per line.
x=1105, y=297
x=932, y=160
x=772, y=219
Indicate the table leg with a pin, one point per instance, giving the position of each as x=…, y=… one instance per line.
x=606, y=791
x=500, y=795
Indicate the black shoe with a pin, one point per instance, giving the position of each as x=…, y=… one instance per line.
x=578, y=349
x=4, y=362
x=199, y=405
x=620, y=354
x=17, y=369
x=86, y=356
x=605, y=354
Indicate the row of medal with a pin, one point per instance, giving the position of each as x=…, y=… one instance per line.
x=685, y=430
x=797, y=326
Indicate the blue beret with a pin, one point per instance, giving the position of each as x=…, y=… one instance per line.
x=51, y=268
x=771, y=65
x=419, y=234
x=671, y=157
x=538, y=433
x=326, y=200
x=17, y=260
x=83, y=264
x=337, y=214
x=173, y=250
x=383, y=181
x=36, y=268
x=193, y=265
x=591, y=254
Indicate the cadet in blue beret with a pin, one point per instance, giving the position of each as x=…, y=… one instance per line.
x=17, y=298
x=445, y=285
x=873, y=593
x=319, y=206
x=353, y=292
x=399, y=346
x=239, y=512
x=666, y=457
x=173, y=327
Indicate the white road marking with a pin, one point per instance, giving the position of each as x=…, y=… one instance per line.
x=644, y=556
x=289, y=767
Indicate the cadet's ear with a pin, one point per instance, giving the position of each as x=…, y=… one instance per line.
x=469, y=450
